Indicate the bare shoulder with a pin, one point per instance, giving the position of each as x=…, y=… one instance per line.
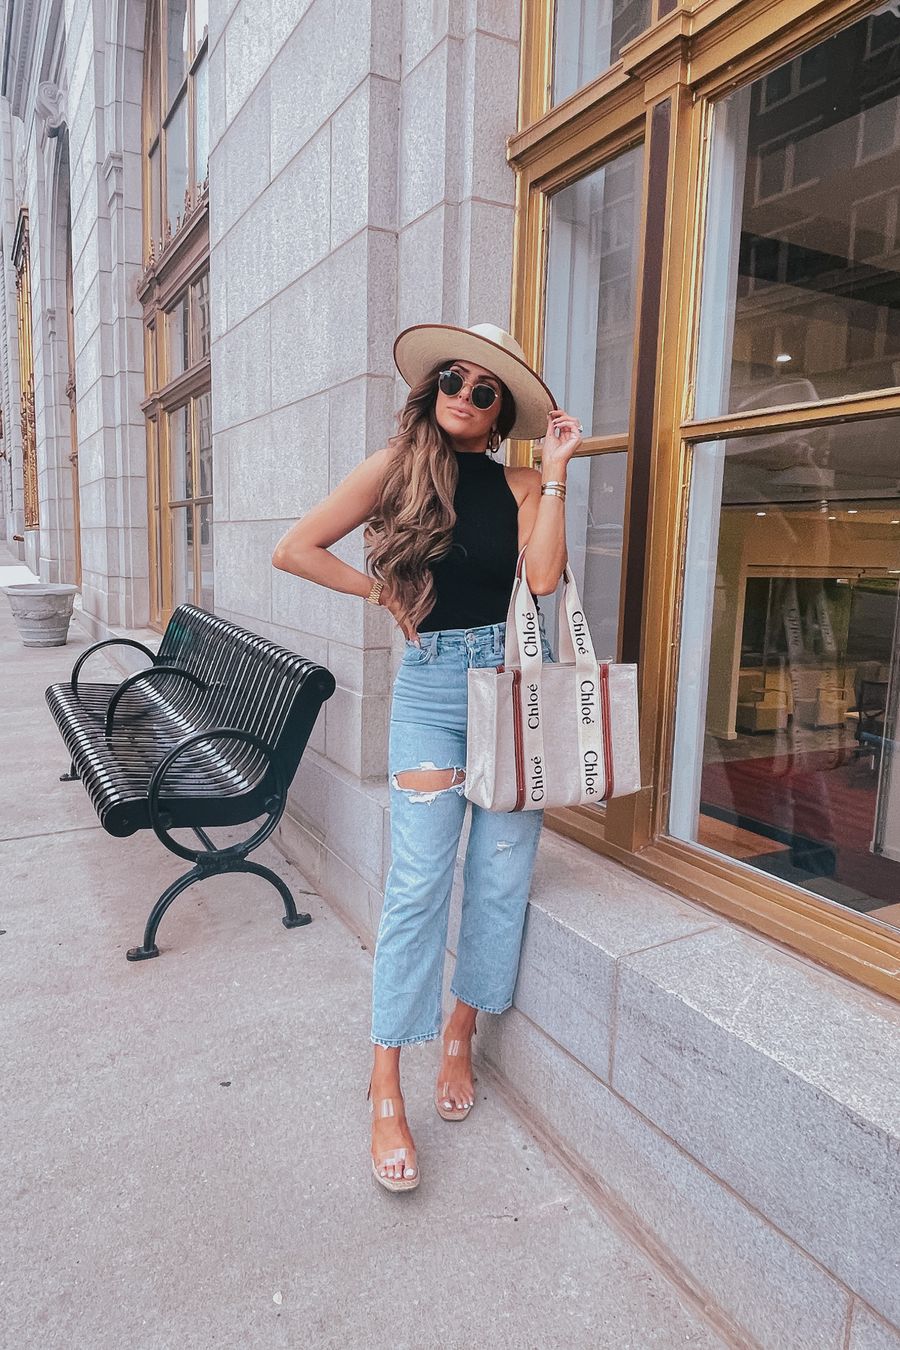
x=523, y=482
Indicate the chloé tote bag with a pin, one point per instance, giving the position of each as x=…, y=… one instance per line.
x=544, y=734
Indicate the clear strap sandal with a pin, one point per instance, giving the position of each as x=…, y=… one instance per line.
x=384, y=1107
x=441, y=1097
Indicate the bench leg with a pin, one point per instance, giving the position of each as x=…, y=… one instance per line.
x=71, y=776
x=149, y=947
x=291, y=918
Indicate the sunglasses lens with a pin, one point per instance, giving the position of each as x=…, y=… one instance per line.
x=450, y=383
x=483, y=395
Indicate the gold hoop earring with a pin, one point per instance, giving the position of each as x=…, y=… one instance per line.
x=494, y=441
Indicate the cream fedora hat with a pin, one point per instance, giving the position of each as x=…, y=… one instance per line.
x=420, y=348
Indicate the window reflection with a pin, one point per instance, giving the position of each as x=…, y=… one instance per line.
x=595, y=521
x=201, y=22
x=204, y=513
x=588, y=38
x=204, y=446
x=176, y=165
x=180, y=471
x=177, y=22
x=178, y=330
x=182, y=527
x=800, y=279
x=790, y=666
x=591, y=293
x=200, y=313
x=201, y=100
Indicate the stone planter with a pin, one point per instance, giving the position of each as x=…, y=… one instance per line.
x=42, y=612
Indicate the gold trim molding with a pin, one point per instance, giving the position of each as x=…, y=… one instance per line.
x=22, y=263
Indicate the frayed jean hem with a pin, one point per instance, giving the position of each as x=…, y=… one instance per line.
x=482, y=1007
x=409, y=1040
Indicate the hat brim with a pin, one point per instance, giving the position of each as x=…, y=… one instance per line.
x=417, y=350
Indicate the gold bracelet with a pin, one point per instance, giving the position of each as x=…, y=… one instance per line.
x=554, y=482
x=551, y=490
x=374, y=596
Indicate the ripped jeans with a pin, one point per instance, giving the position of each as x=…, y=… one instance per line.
x=428, y=731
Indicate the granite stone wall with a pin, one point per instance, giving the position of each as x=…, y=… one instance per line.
x=380, y=198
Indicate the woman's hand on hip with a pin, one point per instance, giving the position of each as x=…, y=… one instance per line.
x=391, y=604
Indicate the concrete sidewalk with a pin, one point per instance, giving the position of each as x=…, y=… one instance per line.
x=185, y=1141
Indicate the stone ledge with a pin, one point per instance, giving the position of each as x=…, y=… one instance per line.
x=763, y=1283
x=781, y=1080
x=773, y=1076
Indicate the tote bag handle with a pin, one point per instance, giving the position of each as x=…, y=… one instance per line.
x=523, y=652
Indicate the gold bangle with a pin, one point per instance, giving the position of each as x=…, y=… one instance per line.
x=374, y=596
x=551, y=491
x=554, y=482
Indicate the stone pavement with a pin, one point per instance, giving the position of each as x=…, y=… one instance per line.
x=185, y=1141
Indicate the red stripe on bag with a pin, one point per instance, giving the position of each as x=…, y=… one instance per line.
x=605, y=713
x=517, y=738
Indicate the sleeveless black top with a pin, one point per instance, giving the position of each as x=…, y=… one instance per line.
x=474, y=580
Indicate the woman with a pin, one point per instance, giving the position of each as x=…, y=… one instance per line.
x=445, y=524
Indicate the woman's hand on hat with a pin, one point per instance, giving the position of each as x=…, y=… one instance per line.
x=561, y=441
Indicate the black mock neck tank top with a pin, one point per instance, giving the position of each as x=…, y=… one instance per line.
x=474, y=579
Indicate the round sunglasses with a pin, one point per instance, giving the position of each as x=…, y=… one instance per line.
x=450, y=382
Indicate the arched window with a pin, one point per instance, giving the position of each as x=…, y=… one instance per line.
x=175, y=297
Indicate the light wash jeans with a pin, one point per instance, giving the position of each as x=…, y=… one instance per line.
x=428, y=731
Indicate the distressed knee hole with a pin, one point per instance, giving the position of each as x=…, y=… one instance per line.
x=428, y=781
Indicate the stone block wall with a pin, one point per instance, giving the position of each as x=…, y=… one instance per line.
x=380, y=198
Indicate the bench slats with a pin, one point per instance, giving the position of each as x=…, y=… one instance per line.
x=251, y=685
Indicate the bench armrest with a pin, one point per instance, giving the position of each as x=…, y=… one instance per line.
x=107, y=642
x=275, y=803
x=146, y=675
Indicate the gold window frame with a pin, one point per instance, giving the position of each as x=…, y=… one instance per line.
x=174, y=263
x=664, y=85
x=21, y=256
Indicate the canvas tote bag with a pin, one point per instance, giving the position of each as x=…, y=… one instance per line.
x=550, y=734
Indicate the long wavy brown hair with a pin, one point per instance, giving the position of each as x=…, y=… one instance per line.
x=412, y=524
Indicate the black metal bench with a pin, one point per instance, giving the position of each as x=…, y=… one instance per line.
x=209, y=735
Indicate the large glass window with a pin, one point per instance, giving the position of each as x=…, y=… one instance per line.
x=588, y=37
x=787, y=700
x=591, y=301
x=190, y=501
x=801, y=285
x=789, y=674
x=175, y=294
x=182, y=457
x=22, y=264
x=176, y=116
